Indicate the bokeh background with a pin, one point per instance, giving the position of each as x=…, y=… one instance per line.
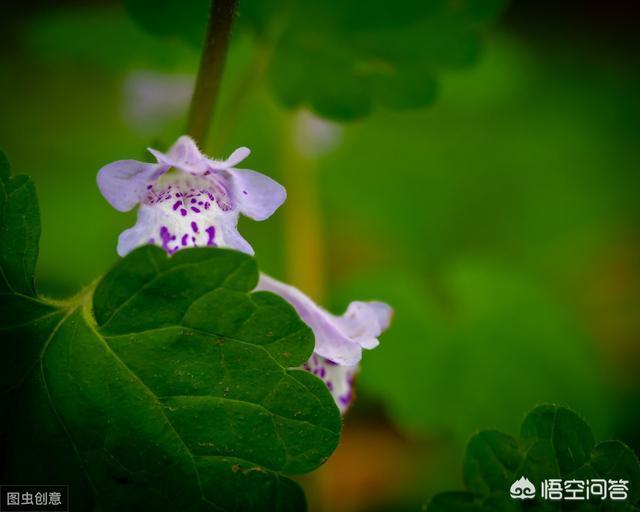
x=500, y=221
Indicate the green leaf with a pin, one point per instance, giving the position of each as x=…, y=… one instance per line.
x=170, y=386
x=503, y=452
x=19, y=231
x=167, y=18
x=557, y=442
x=24, y=320
x=554, y=443
x=342, y=58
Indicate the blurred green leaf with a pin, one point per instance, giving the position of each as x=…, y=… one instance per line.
x=554, y=443
x=170, y=387
x=343, y=58
x=168, y=18
x=484, y=347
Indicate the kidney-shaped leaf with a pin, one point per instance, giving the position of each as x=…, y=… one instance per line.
x=555, y=443
x=169, y=387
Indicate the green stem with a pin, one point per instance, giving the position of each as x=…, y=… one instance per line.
x=214, y=53
x=304, y=230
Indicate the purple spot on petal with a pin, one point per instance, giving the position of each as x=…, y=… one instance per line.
x=345, y=399
x=166, y=237
x=211, y=231
x=194, y=226
x=183, y=212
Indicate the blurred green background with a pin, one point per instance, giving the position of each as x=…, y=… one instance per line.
x=501, y=221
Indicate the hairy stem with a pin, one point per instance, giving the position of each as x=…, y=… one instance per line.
x=214, y=53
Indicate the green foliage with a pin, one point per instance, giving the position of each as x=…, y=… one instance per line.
x=19, y=231
x=343, y=58
x=169, y=387
x=554, y=443
x=185, y=20
x=515, y=174
x=480, y=347
x=30, y=318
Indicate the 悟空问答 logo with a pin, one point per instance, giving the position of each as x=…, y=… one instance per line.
x=522, y=489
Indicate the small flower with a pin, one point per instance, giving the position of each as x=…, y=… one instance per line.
x=189, y=200
x=339, y=339
x=195, y=204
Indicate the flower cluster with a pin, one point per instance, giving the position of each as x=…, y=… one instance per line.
x=189, y=200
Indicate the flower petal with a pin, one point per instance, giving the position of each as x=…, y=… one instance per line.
x=183, y=155
x=237, y=156
x=140, y=233
x=257, y=195
x=123, y=183
x=234, y=240
x=332, y=342
x=383, y=312
x=365, y=321
x=339, y=379
x=180, y=212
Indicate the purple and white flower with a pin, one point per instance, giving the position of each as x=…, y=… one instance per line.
x=339, y=339
x=189, y=200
